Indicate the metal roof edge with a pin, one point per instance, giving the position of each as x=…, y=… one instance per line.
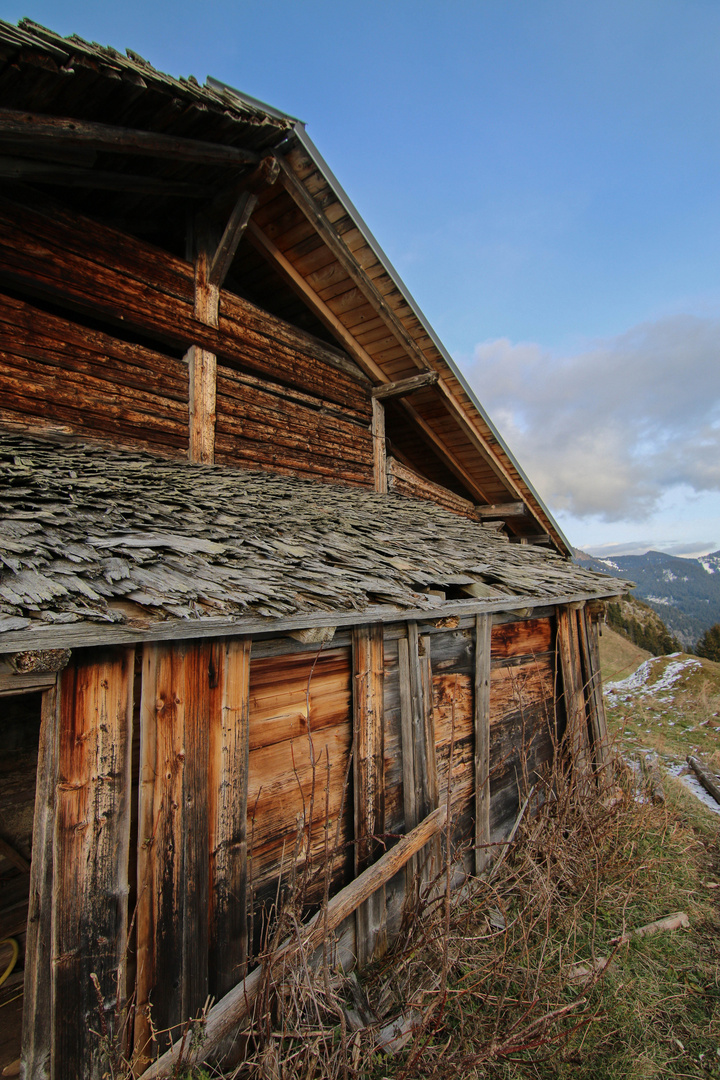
x=248, y=99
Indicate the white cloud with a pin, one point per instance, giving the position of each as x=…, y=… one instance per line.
x=607, y=431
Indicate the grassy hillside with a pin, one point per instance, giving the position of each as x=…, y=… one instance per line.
x=619, y=656
x=670, y=706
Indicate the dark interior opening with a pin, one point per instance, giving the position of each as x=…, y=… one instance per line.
x=19, y=740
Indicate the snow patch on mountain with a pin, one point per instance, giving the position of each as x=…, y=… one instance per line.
x=654, y=677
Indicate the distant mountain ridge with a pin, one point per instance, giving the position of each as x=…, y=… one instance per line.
x=684, y=592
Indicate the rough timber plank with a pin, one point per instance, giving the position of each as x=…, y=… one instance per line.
x=202, y=383
x=181, y=689
x=369, y=781
x=574, y=691
x=379, y=454
x=90, y=857
x=483, y=634
x=38, y=1003
x=522, y=735
x=300, y=744
x=227, y=813
x=596, y=705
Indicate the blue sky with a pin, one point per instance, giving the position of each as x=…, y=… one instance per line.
x=545, y=176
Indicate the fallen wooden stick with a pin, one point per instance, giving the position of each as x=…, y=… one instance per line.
x=678, y=920
x=705, y=775
x=581, y=972
x=237, y=1004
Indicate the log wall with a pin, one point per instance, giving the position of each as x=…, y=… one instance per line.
x=95, y=332
x=243, y=792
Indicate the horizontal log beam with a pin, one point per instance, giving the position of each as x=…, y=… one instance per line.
x=532, y=538
x=405, y=386
x=12, y=168
x=709, y=780
x=17, y=127
x=500, y=511
x=76, y=635
x=235, y=1007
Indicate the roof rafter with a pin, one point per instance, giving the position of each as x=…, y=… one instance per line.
x=19, y=127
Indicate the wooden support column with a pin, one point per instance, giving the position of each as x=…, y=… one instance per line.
x=38, y=1003
x=180, y=691
x=192, y=830
x=574, y=693
x=379, y=450
x=596, y=706
x=407, y=740
x=90, y=855
x=202, y=365
x=202, y=382
x=483, y=638
x=369, y=782
x=228, y=796
x=420, y=784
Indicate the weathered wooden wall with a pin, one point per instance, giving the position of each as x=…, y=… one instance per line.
x=300, y=739
x=59, y=374
x=95, y=332
x=247, y=792
x=523, y=717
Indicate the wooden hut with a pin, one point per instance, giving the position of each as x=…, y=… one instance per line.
x=264, y=558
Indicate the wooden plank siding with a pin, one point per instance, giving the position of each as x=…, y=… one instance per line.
x=299, y=808
x=523, y=721
x=90, y=853
x=246, y=797
x=192, y=856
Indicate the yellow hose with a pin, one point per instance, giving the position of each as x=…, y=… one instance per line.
x=13, y=959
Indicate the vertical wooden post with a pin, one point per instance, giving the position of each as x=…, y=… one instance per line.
x=483, y=640
x=38, y=1003
x=202, y=365
x=407, y=739
x=596, y=705
x=420, y=785
x=202, y=383
x=228, y=795
x=419, y=727
x=90, y=855
x=181, y=690
x=573, y=691
x=379, y=452
x=369, y=781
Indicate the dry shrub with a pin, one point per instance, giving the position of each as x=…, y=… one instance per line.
x=481, y=973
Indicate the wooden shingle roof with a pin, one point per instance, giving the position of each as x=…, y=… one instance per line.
x=99, y=545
